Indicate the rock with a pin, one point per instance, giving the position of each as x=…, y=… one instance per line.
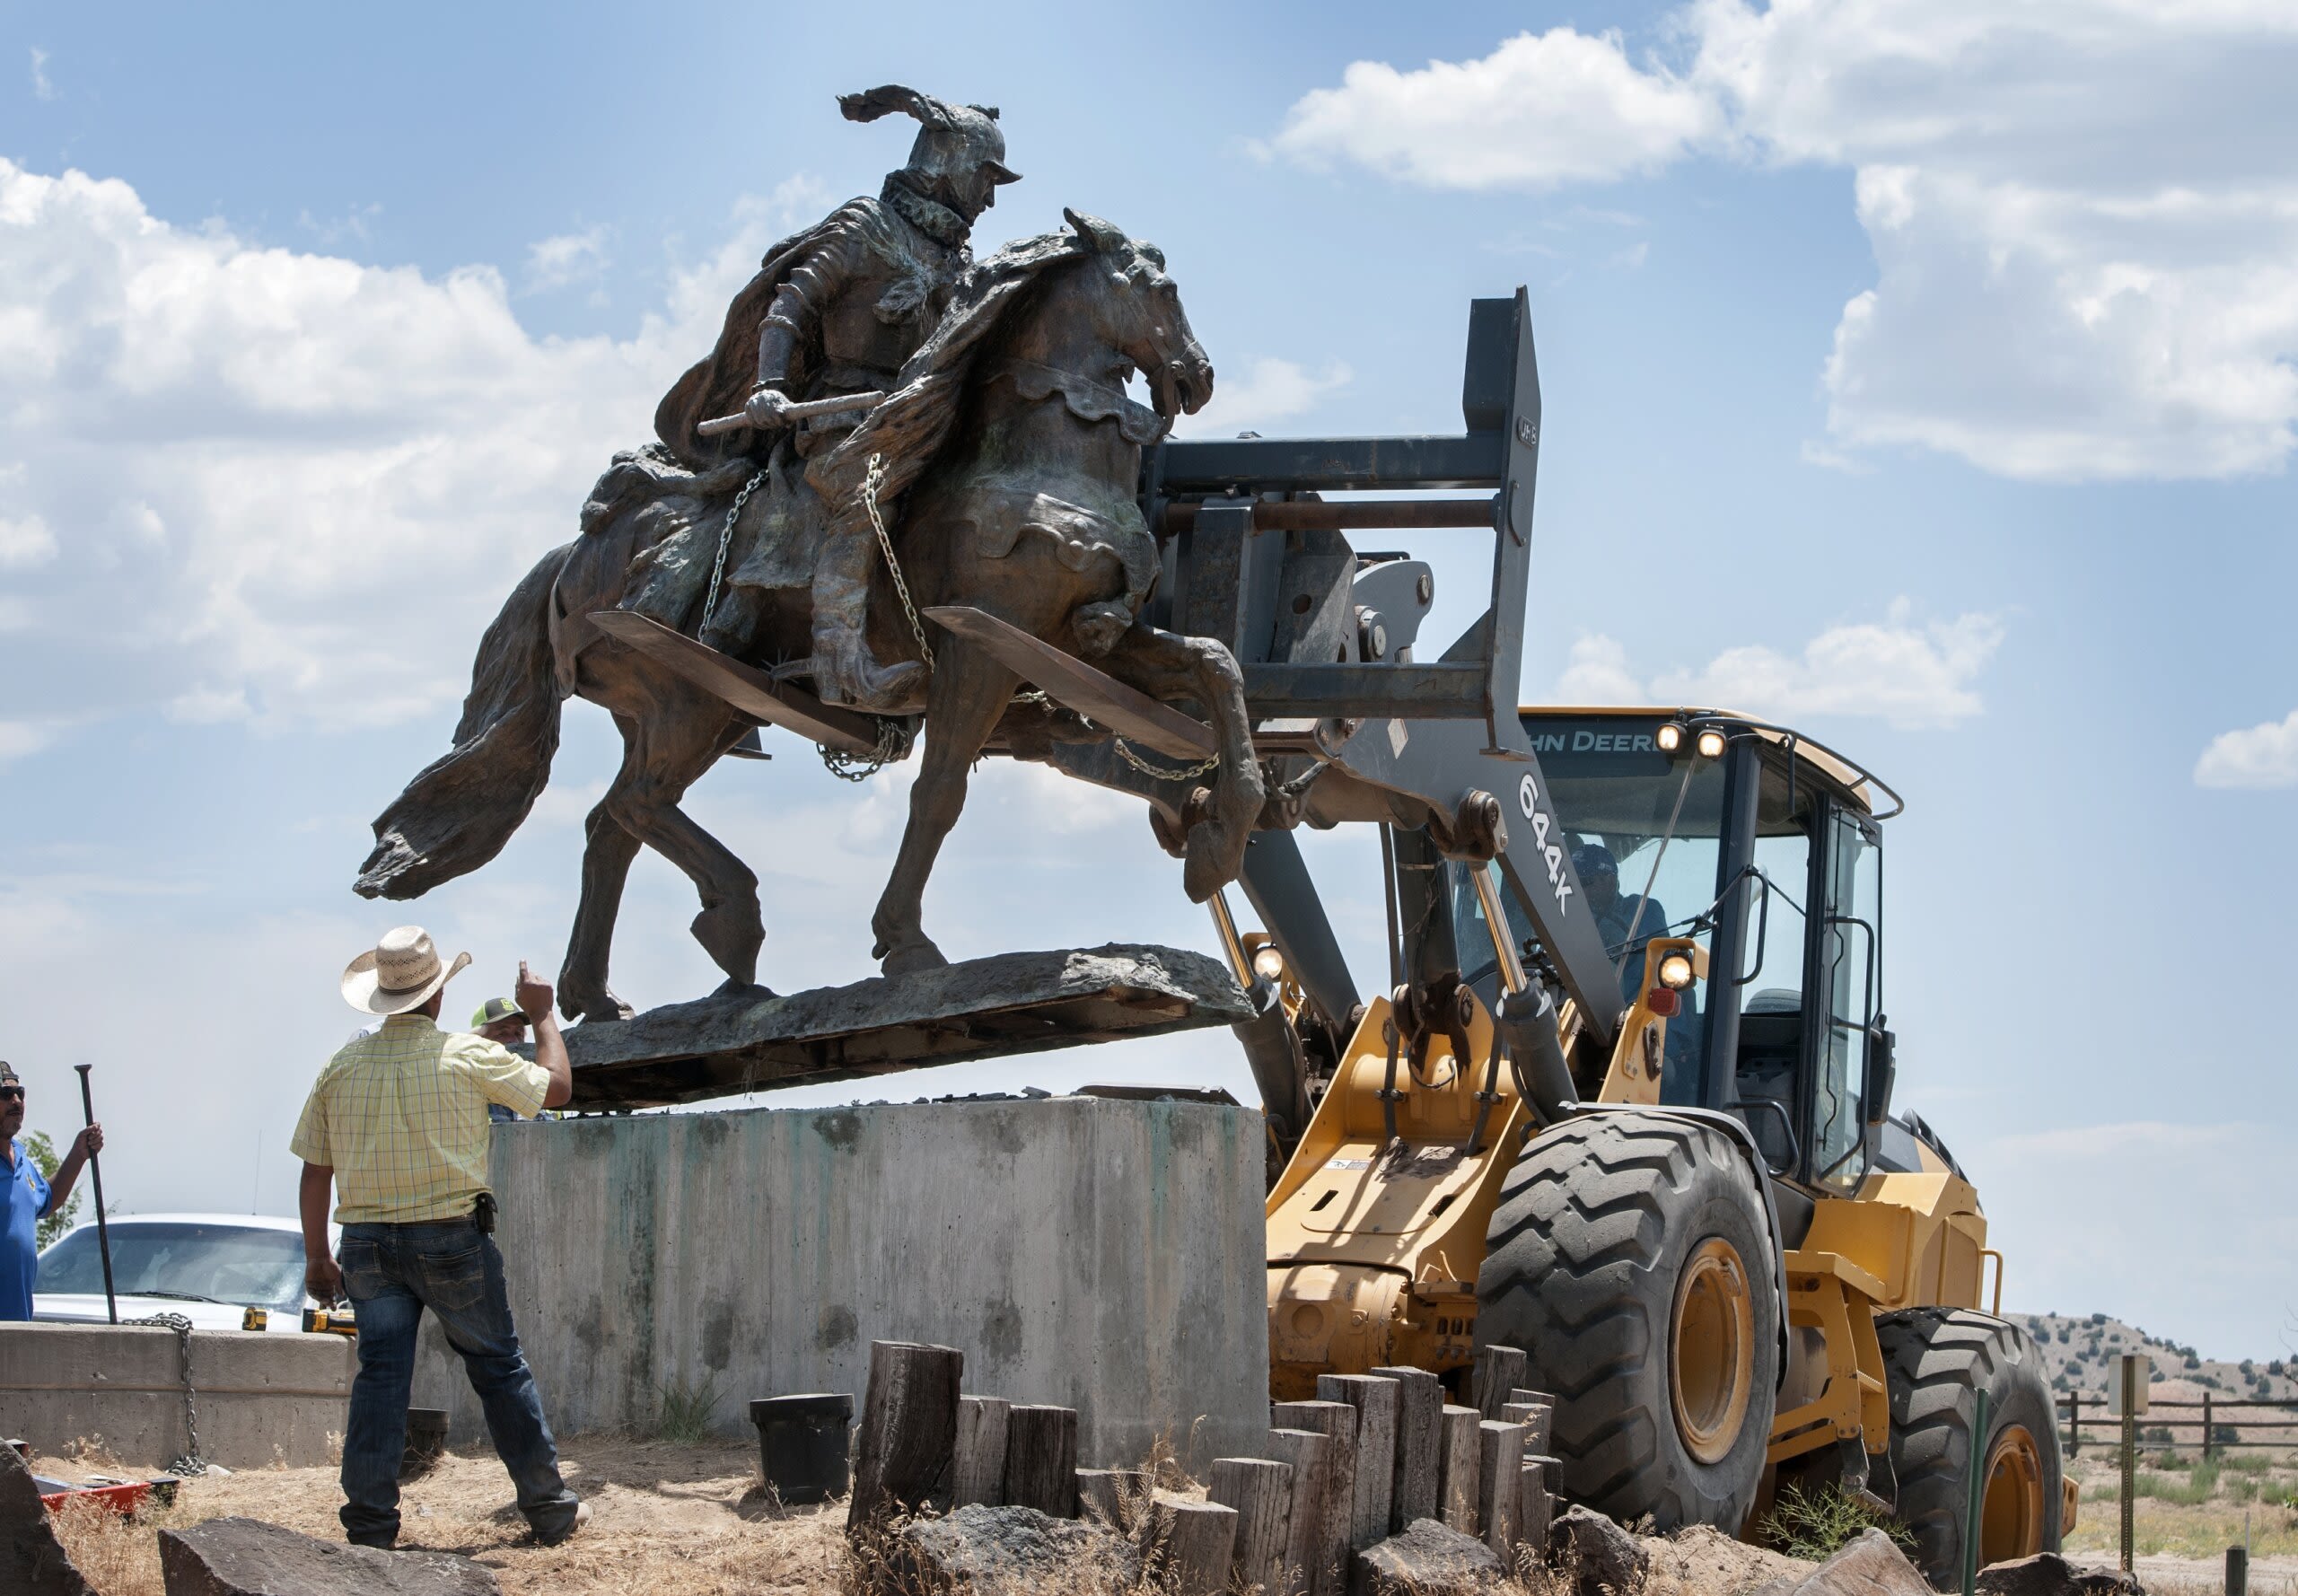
x=1428, y=1558
x=2047, y=1573
x=993, y=1547
x=33, y=1561
x=249, y=1557
x=1870, y=1563
x=1599, y=1553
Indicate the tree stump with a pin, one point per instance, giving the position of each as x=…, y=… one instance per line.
x=1189, y=1544
x=1420, y=1421
x=1261, y=1491
x=909, y=1428
x=1456, y=1481
x=1118, y=1497
x=1375, y=1402
x=1041, y=1459
x=1500, y=1466
x=1499, y=1370
x=1311, y=1453
x=1337, y=1423
x=980, y=1473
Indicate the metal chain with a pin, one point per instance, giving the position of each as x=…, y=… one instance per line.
x=893, y=748
x=726, y=537
x=191, y=1463
x=872, y=479
x=1124, y=751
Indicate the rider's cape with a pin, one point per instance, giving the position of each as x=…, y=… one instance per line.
x=720, y=382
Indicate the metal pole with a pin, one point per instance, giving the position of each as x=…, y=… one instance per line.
x=96, y=1178
x=2129, y=1459
x=1977, y=1497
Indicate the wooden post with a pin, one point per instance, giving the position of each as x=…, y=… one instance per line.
x=1189, y=1544
x=1535, y=1507
x=1375, y=1402
x=2206, y=1424
x=1420, y=1421
x=1311, y=1453
x=1337, y=1423
x=980, y=1473
x=1500, y=1465
x=909, y=1428
x=1499, y=1370
x=2074, y=1423
x=1041, y=1459
x=1538, y=1419
x=1117, y=1497
x=1261, y=1491
x=1456, y=1487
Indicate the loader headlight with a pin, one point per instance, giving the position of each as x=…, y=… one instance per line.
x=1710, y=744
x=1269, y=964
x=1670, y=736
x=1675, y=971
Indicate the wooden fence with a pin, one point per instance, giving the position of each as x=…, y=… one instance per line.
x=2210, y=1426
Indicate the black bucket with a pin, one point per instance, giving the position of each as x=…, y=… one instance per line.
x=802, y=1444
x=426, y=1441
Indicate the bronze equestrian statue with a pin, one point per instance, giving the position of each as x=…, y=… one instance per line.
x=1003, y=468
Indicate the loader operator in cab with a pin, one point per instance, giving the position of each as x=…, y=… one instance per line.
x=1628, y=922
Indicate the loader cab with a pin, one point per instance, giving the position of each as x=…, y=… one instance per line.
x=1765, y=849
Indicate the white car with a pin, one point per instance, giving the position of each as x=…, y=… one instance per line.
x=209, y=1267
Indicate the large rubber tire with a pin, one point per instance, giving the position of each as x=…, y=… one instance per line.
x=1599, y=1223
x=1936, y=1361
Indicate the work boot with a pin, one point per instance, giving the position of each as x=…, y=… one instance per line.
x=845, y=671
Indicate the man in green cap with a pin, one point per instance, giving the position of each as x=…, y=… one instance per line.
x=501, y=1019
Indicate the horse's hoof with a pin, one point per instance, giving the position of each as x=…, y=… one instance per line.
x=1205, y=866
x=914, y=959
x=731, y=987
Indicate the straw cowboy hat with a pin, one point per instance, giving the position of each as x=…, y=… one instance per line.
x=401, y=973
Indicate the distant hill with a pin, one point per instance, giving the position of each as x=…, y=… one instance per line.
x=2080, y=1353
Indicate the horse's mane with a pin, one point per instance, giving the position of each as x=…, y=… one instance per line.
x=911, y=427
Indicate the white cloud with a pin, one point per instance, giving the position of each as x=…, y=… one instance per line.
x=567, y=259
x=1908, y=674
x=1542, y=109
x=19, y=737
x=309, y=480
x=41, y=88
x=1271, y=391
x=25, y=543
x=2260, y=756
x=2084, y=217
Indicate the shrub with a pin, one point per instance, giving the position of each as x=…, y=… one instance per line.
x=1814, y=1525
x=2191, y=1491
x=686, y=1412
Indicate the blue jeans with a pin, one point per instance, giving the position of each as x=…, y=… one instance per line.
x=391, y=1274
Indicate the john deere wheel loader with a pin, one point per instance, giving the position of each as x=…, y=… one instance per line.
x=1627, y=1102
x=1732, y=1264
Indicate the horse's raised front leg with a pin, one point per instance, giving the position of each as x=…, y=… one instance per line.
x=969, y=693
x=1168, y=666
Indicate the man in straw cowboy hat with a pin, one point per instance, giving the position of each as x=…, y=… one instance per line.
x=397, y=1125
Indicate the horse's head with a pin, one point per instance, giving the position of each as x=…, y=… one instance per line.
x=1137, y=310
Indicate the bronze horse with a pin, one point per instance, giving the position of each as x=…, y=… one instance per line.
x=1004, y=468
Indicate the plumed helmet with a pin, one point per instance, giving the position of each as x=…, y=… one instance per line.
x=952, y=140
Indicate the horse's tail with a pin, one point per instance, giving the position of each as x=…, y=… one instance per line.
x=459, y=810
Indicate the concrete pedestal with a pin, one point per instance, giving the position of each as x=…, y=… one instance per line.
x=1099, y=1254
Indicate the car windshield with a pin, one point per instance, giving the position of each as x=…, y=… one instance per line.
x=238, y=1264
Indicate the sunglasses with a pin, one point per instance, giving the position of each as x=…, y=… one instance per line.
x=12, y=1094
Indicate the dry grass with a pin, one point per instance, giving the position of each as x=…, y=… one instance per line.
x=2188, y=1509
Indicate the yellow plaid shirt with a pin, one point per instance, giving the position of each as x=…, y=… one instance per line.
x=401, y=1117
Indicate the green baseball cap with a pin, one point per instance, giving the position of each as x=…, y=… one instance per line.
x=494, y=1009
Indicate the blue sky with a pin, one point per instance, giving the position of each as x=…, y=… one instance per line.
x=1920, y=377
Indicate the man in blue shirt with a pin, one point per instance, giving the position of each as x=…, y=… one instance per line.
x=30, y=1196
